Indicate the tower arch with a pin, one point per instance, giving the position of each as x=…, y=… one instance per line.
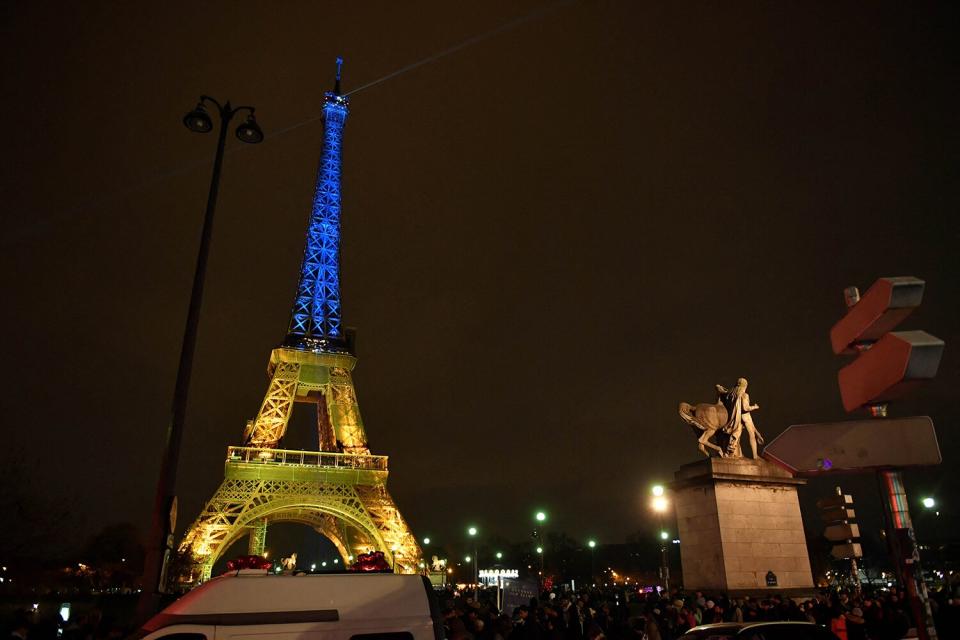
x=323, y=515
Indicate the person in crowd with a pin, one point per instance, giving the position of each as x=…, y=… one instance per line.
x=594, y=632
x=838, y=623
x=856, y=624
x=20, y=628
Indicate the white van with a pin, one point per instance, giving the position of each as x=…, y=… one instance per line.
x=253, y=605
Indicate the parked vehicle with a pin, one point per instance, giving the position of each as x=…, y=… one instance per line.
x=253, y=605
x=759, y=631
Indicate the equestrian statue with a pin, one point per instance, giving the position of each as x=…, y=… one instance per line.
x=720, y=425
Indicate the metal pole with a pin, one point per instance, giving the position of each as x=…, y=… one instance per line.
x=593, y=570
x=897, y=517
x=910, y=573
x=159, y=543
x=542, y=577
x=855, y=570
x=476, y=575
x=664, y=567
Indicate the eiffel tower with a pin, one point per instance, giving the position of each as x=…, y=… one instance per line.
x=339, y=490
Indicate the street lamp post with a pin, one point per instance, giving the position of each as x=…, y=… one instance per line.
x=660, y=505
x=426, y=568
x=930, y=506
x=540, y=553
x=664, y=563
x=472, y=532
x=540, y=517
x=593, y=545
x=159, y=543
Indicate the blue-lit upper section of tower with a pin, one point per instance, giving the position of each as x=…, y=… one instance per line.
x=316, y=322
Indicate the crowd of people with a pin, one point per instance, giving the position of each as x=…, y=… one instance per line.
x=93, y=625
x=611, y=614
x=619, y=614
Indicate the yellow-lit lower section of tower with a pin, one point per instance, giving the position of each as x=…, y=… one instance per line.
x=339, y=490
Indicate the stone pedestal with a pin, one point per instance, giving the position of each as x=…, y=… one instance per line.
x=740, y=528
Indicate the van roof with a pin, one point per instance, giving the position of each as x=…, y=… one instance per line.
x=245, y=596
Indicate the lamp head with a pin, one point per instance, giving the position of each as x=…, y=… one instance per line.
x=198, y=120
x=249, y=131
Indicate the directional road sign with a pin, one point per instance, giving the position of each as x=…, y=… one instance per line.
x=897, y=363
x=837, y=514
x=835, y=502
x=881, y=309
x=842, y=532
x=855, y=446
x=847, y=551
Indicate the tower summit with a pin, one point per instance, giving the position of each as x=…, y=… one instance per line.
x=316, y=319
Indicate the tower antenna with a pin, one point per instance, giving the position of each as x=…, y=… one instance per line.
x=336, y=84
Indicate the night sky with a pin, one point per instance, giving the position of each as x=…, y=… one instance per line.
x=550, y=237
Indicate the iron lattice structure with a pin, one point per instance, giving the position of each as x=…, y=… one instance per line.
x=316, y=317
x=339, y=490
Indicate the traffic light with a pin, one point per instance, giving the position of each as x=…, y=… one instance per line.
x=838, y=514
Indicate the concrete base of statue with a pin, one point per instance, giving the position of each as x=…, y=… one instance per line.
x=740, y=528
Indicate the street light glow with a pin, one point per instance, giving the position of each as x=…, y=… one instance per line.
x=426, y=541
x=541, y=516
x=472, y=531
x=466, y=559
x=664, y=535
x=591, y=543
x=929, y=503
x=660, y=504
x=539, y=549
x=499, y=555
x=657, y=490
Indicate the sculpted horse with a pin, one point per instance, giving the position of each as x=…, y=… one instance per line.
x=706, y=419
